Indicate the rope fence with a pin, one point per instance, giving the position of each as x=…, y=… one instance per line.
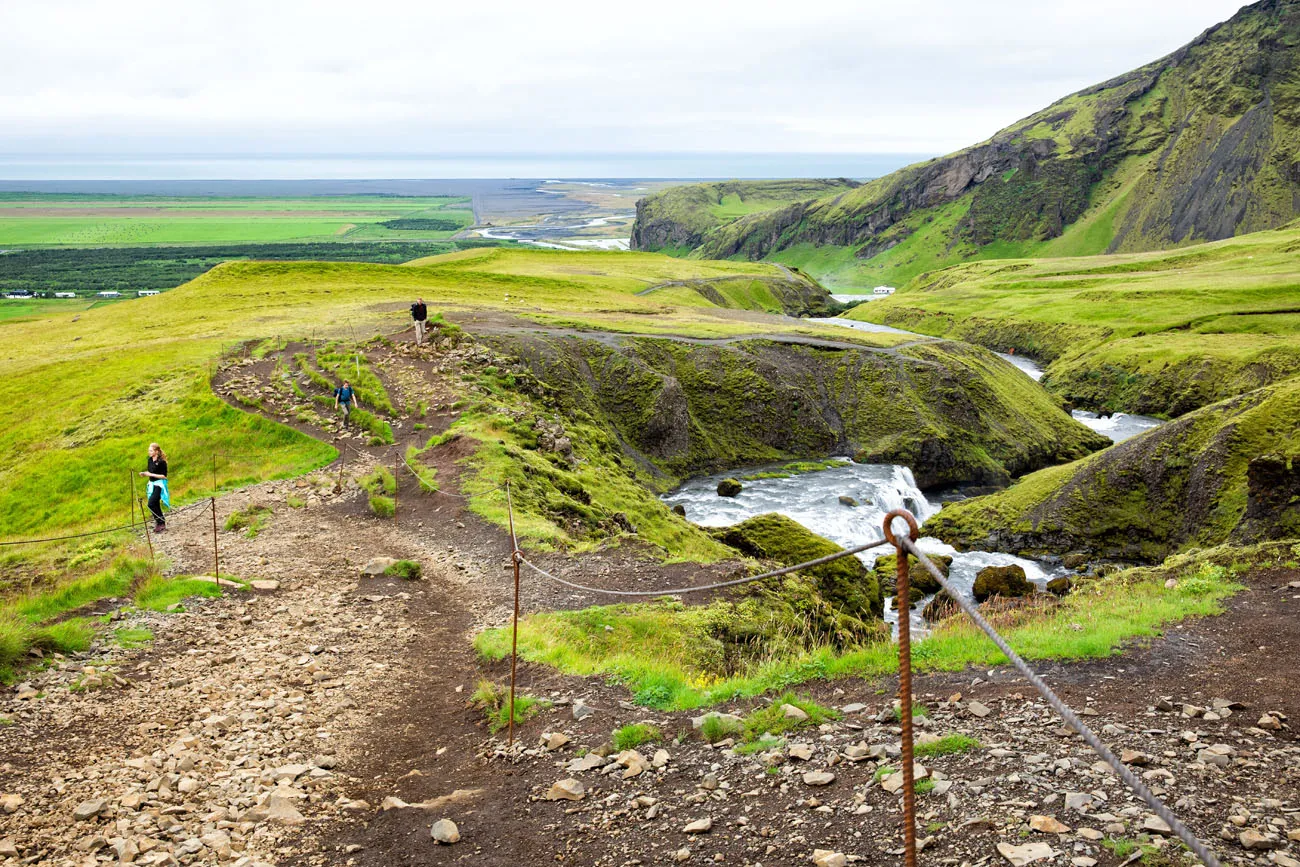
x=904, y=544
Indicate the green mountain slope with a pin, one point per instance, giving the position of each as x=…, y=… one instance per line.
x=1200, y=145
x=680, y=218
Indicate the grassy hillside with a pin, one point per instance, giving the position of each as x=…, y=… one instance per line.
x=1156, y=333
x=1199, y=145
x=681, y=218
x=83, y=393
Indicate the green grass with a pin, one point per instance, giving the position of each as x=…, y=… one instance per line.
x=629, y=737
x=26, y=622
x=772, y=721
x=947, y=745
x=130, y=638
x=657, y=652
x=494, y=700
x=251, y=519
x=160, y=594
x=759, y=745
x=408, y=570
x=117, y=580
x=715, y=729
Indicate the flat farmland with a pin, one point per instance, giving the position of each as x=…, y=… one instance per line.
x=53, y=220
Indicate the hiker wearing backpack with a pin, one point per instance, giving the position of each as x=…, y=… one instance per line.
x=344, y=396
x=420, y=313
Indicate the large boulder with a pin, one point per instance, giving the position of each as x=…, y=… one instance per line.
x=729, y=488
x=1009, y=582
x=839, y=603
x=919, y=578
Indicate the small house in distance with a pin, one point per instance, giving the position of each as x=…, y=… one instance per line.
x=144, y=292
x=883, y=290
x=109, y=293
x=65, y=294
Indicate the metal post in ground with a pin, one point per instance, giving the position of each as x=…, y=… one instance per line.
x=902, y=604
x=397, y=481
x=147, y=537
x=216, y=561
x=131, y=474
x=514, y=628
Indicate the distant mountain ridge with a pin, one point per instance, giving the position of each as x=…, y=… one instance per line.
x=1199, y=145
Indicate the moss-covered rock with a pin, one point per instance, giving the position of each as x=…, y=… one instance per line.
x=839, y=603
x=729, y=488
x=1009, y=582
x=1060, y=586
x=919, y=578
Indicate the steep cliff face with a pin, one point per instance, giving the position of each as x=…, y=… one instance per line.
x=1199, y=145
x=952, y=412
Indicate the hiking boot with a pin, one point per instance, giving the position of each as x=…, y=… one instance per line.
x=160, y=528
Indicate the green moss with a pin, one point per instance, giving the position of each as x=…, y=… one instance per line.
x=406, y=569
x=629, y=737
x=843, y=599
x=251, y=519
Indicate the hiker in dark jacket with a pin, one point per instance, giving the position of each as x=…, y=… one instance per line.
x=345, y=397
x=420, y=313
x=156, y=472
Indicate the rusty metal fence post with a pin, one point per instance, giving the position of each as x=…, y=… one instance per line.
x=514, y=628
x=147, y=537
x=902, y=604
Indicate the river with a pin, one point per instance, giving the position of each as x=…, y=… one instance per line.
x=813, y=499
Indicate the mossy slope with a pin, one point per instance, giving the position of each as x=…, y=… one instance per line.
x=1185, y=484
x=952, y=412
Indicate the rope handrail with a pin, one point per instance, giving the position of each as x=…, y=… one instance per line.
x=775, y=573
x=1071, y=718
x=133, y=525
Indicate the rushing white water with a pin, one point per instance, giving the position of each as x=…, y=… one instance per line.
x=813, y=499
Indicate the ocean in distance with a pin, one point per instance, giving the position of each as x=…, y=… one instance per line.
x=18, y=168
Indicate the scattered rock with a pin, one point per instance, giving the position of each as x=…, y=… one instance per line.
x=1026, y=854
x=1048, y=825
x=581, y=710
x=1254, y=841
x=1157, y=825
x=827, y=858
x=699, y=826
x=87, y=810
x=567, y=790
x=445, y=831
x=376, y=566
x=11, y=803
x=818, y=778
x=846, y=500
x=978, y=709
x=791, y=712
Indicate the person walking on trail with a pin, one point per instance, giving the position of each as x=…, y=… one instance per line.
x=345, y=397
x=156, y=473
x=420, y=313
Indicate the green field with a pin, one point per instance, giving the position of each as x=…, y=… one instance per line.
x=42, y=220
x=80, y=400
x=1147, y=332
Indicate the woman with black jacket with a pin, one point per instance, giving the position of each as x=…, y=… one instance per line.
x=159, y=498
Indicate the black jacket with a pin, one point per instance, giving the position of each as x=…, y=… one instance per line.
x=419, y=312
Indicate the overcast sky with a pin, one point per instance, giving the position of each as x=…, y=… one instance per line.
x=283, y=76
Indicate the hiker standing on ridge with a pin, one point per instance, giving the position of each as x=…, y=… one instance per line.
x=156, y=473
x=420, y=313
x=345, y=397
